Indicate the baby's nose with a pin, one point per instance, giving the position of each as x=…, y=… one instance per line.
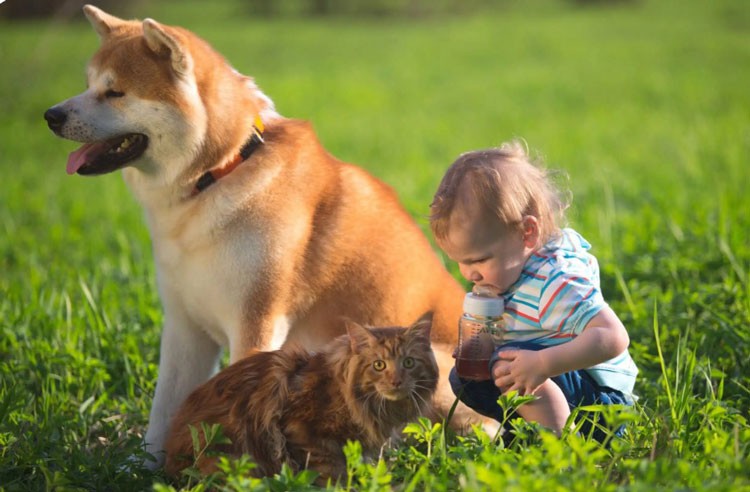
x=475, y=277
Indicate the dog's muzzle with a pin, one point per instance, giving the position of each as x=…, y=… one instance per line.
x=102, y=156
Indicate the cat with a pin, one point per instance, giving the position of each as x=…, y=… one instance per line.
x=300, y=408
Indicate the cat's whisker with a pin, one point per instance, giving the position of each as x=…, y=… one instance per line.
x=377, y=405
x=416, y=395
x=417, y=406
x=365, y=399
x=382, y=410
x=421, y=389
x=379, y=409
x=411, y=401
x=427, y=380
x=424, y=402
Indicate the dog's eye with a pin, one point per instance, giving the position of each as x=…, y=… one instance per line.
x=111, y=93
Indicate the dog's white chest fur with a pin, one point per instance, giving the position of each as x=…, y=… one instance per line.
x=207, y=279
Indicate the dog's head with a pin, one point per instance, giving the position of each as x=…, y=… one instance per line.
x=158, y=98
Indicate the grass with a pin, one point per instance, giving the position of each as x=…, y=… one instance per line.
x=644, y=104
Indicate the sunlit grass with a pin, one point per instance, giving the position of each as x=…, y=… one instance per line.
x=645, y=106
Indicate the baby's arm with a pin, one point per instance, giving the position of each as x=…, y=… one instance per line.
x=603, y=338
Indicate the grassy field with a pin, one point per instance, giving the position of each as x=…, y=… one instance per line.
x=646, y=106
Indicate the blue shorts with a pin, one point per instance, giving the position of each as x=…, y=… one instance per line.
x=578, y=387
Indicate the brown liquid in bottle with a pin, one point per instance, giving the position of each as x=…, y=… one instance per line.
x=481, y=320
x=475, y=369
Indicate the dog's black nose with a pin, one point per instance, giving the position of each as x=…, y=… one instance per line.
x=55, y=118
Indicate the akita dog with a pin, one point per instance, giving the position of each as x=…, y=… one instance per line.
x=260, y=237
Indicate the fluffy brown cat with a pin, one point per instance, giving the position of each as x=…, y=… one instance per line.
x=296, y=407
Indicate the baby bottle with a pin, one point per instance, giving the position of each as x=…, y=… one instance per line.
x=479, y=329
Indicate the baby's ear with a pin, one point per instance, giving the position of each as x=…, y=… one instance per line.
x=422, y=326
x=531, y=232
x=359, y=336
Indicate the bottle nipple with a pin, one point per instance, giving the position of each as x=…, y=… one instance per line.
x=483, y=305
x=485, y=291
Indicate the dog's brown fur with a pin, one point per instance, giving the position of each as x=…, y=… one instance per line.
x=277, y=250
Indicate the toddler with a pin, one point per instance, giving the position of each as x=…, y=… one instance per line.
x=497, y=214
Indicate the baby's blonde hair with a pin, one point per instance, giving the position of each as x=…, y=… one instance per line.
x=507, y=184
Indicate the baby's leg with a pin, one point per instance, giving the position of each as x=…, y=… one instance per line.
x=550, y=409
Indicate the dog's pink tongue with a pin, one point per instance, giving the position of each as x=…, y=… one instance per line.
x=78, y=158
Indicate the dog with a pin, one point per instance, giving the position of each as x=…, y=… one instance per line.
x=260, y=237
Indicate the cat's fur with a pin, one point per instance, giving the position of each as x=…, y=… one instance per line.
x=296, y=407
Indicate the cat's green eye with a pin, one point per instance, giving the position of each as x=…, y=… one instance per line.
x=378, y=365
x=408, y=362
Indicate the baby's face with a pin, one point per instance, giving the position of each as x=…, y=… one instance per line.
x=488, y=254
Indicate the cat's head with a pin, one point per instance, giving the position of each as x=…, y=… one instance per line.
x=395, y=363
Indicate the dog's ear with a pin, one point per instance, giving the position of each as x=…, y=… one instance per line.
x=102, y=22
x=164, y=43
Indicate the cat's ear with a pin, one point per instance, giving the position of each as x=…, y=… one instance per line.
x=423, y=326
x=359, y=336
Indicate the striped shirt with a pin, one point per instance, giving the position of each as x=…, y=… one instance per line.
x=554, y=299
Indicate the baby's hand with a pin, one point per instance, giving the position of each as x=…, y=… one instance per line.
x=519, y=370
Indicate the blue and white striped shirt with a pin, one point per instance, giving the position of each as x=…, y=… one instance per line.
x=554, y=299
